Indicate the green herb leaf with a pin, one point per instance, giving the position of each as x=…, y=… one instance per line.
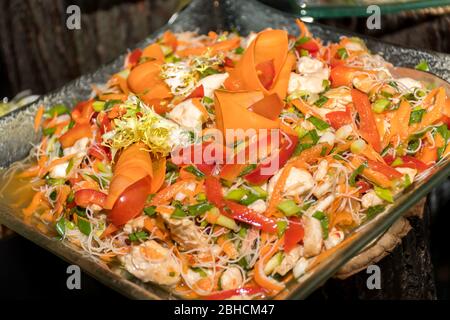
x=150, y=211
x=374, y=210
x=342, y=53
x=416, y=116
x=138, y=236
x=192, y=169
x=321, y=101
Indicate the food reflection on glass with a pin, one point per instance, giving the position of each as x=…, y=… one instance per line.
x=222, y=166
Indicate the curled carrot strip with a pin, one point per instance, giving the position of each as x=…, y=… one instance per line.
x=38, y=118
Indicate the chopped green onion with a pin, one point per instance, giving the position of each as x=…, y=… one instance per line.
x=304, y=53
x=236, y=194
x=407, y=182
x=247, y=169
x=48, y=131
x=342, y=53
x=207, y=100
x=192, y=169
x=422, y=66
x=57, y=110
x=416, y=116
x=373, y=211
x=380, y=105
x=281, y=227
x=201, y=196
x=137, y=236
x=302, y=40
x=200, y=271
x=239, y=50
x=397, y=162
x=289, y=207
x=61, y=226
x=274, y=262
x=98, y=106
x=199, y=208
x=178, y=213
x=249, y=199
x=150, y=211
x=355, y=174
x=413, y=145
x=384, y=194
x=321, y=101
x=323, y=218
x=70, y=166
x=111, y=103
x=260, y=192
x=318, y=123
x=326, y=84
x=84, y=225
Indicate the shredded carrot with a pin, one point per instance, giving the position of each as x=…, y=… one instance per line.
x=38, y=118
x=260, y=278
x=38, y=198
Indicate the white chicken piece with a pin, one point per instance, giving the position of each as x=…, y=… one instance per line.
x=186, y=114
x=134, y=224
x=231, y=278
x=300, y=267
x=322, y=169
x=327, y=137
x=185, y=233
x=259, y=206
x=289, y=260
x=312, y=240
x=409, y=83
x=212, y=83
x=312, y=73
x=323, y=188
x=322, y=205
x=152, y=262
x=370, y=199
x=59, y=171
x=79, y=148
x=299, y=181
x=344, y=132
x=334, y=238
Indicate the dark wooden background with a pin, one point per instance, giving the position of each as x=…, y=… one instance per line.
x=38, y=52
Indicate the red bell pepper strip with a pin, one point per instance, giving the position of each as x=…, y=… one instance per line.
x=267, y=169
x=133, y=58
x=266, y=73
x=77, y=132
x=235, y=210
x=100, y=152
x=204, y=156
x=311, y=46
x=341, y=75
x=338, y=119
x=413, y=163
x=86, y=197
x=294, y=233
x=363, y=186
x=198, y=92
x=246, y=291
x=367, y=125
x=384, y=169
x=244, y=214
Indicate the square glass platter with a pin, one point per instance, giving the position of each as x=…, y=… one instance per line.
x=17, y=135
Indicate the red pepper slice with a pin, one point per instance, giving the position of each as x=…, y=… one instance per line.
x=246, y=291
x=384, y=169
x=86, y=197
x=311, y=46
x=100, y=152
x=266, y=73
x=198, y=92
x=338, y=119
x=413, y=163
x=367, y=125
x=235, y=210
x=133, y=57
x=245, y=214
x=363, y=186
x=131, y=203
x=267, y=169
x=294, y=233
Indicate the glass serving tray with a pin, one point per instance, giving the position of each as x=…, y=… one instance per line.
x=16, y=136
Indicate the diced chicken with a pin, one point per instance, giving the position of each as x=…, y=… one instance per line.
x=185, y=233
x=310, y=84
x=312, y=240
x=322, y=205
x=307, y=65
x=344, y=132
x=299, y=181
x=231, y=278
x=79, y=148
x=322, y=188
x=134, y=224
x=322, y=169
x=370, y=199
x=187, y=115
x=409, y=83
x=212, y=83
x=327, y=137
x=59, y=171
x=259, y=206
x=289, y=260
x=408, y=171
x=334, y=238
x=152, y=262
x=300, y=267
